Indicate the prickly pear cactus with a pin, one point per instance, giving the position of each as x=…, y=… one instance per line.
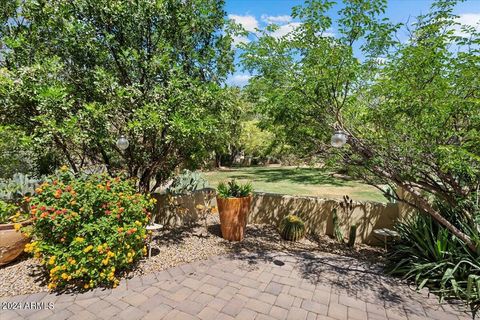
x=186, y=182
x=292, y=228
x=19, y=186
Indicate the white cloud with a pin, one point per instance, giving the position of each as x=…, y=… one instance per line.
x=248, y=22
x=285, y=29
x=470, y=19
x=239, y=40
x=239, y=79
x=276, y=19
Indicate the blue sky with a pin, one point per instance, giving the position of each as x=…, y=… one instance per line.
x=259, y=13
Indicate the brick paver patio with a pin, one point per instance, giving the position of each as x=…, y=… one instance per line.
x=246, y=285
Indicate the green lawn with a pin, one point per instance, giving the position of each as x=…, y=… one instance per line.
x=297, y=181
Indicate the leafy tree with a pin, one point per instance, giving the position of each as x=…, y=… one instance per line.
x=77, y=74
x=410, y=109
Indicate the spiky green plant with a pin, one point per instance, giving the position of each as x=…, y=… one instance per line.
x=232, y=189
x=292, y=228
x=428, y=255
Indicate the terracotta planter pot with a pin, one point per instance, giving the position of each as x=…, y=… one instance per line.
x=12, y=242
x=233, y=216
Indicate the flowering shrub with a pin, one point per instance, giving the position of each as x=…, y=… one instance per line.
x=88, y=229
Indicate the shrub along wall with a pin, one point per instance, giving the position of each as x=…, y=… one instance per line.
x=316, y=212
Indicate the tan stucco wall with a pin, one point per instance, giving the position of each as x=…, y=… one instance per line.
x=316, y=213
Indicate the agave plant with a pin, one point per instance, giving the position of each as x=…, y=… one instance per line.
x=429, y=255
x=232, y=189
x=292, y=228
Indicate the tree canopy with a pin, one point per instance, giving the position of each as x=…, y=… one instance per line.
x=410, y=108
x=74, y=75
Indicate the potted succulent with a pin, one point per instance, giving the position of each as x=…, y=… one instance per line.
x=12, y=240
x=233, y=201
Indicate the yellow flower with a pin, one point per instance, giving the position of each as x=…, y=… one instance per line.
x=17, y=226
x=111, y=254
x=64, y=276
x=79, y=239
x=153, y=200
x=28, y=247
x=99, y=248
x=88, y=249
x=64, y=168
x=51, y=286
x=52, y=260
x=85, y=286
x=138, y=223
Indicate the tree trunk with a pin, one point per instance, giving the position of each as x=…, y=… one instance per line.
x=144, y=183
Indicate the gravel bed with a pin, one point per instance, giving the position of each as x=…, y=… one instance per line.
x=177, y=246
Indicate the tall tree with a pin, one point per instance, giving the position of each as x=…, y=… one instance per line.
x=410, y=109
x=77, y=74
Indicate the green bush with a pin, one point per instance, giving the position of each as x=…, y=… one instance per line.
x=430, y=256
x=8, y=212
x=232, y=189
x=88, y=229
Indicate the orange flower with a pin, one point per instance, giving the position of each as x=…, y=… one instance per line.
x=58, y=193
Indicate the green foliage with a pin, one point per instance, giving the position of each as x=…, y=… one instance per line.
x=88, y=229
x=16, y=155
x=410, y=108
x=337, y=232
x=76, y=75
x=187, y=182
x=429, y=255
x=254, y=141
x=232, y=189
x=352, y=235
x=8, y=212
x=292, y=228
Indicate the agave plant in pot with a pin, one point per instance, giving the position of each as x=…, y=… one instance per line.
x=233, y=201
